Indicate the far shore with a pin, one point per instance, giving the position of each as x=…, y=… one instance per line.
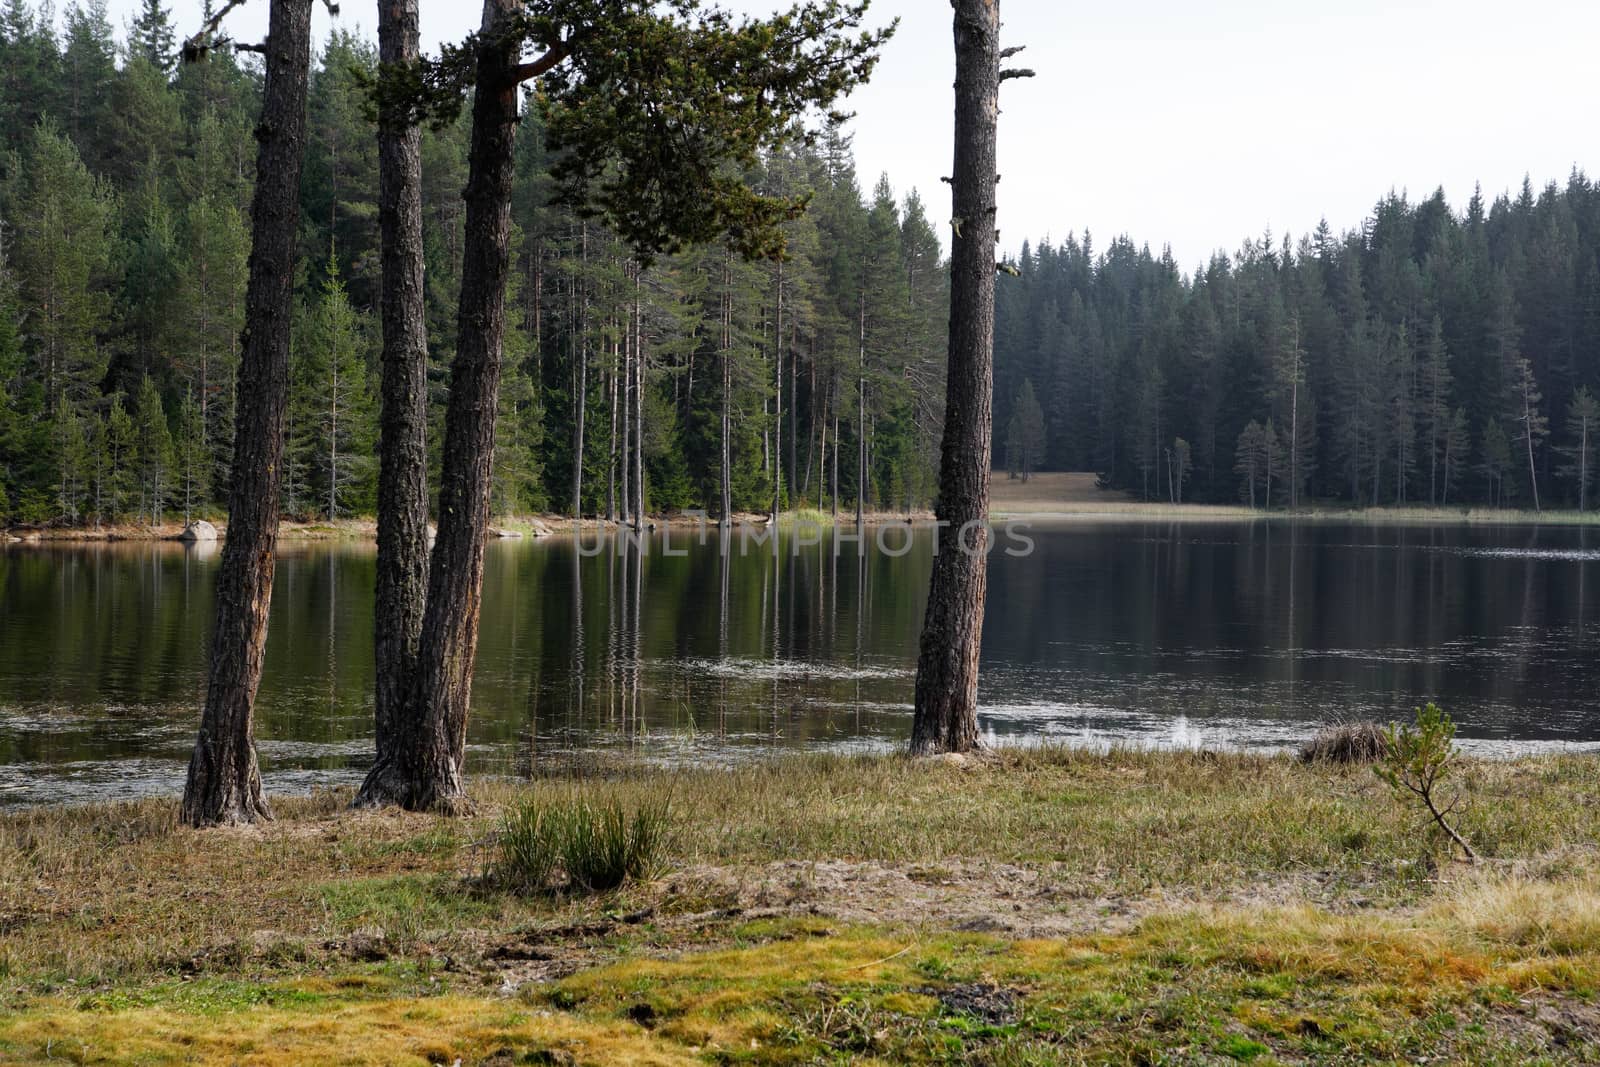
x=1046, y=497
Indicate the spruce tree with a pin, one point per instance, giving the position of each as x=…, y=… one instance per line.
x=191, y=462
x=62, y=256
x=1582, y=446
x=151, y=37
x=152, y=451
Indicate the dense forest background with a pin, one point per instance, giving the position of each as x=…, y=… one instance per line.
x=123, y=244
x=1431, y=356
x=1428, y=357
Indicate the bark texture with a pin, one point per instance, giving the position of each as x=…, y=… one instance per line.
x=449, y=640
x=946, y=718
x=224, y=781
x=402, y=581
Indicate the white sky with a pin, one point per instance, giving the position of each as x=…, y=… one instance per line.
x=1196, y=123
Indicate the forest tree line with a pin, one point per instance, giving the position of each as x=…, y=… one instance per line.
x=813, y=381
x=1429, y=357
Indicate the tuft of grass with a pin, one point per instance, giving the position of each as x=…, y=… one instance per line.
x=1349, y=742
x=809, y=517
x=597, y=845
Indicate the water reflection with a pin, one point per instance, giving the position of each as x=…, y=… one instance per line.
x=1159, y=633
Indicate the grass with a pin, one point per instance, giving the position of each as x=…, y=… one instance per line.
x=1036, y=907
x=1065, y=495
x=594, y=842
x=809, y=517
x=1348, y=742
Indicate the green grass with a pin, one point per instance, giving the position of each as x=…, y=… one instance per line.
x=1290, y=985
x=594, y=842
x=806, y=517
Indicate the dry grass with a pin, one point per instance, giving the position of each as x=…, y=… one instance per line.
x=1069, y=495
x=1347, y=743
x=1224, y=899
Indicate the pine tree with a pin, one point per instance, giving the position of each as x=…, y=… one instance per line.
x=62, y=258
x=121, y=458
x=1527, y=415
x=1030, y=430
x=18, y=400
x=29, y=62
x=1250, y=463
x=72, y=459
x=1434, y=396
x=191, y=463
x=1180, y=465
x=152, y=451
x=151, y=37
x=1582, y=447
x=208, y=313
x=1497, y=462
x=334, y=412
x=151, y=265
x=224, y=779
x=946, y=699
x=1292, y=403
x=1455, y=448
x=89, y=67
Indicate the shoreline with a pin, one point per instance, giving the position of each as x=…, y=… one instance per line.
x=1017, y=907
x=364, y=528
x=542, y=526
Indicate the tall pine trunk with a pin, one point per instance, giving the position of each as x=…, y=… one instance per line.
x=727, y=392
x=638, y=402
x=1527, y=434
x=613, y=384
x=402, y=579
x=946, y=717
x=580, y=392
x=861, y=408
x=224, y=781
x=627, y=407
x=443, y=686
x=777, y=409
x=794, y=405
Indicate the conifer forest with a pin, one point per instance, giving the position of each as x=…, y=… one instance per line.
x=124, y=212
x=1433, y=353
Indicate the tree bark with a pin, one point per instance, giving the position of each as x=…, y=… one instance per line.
x=627, y=406
x=224, y=780
x=861, y=408
x=580, y=390
x=402, y=580
x=613, y=381
x=777, y=409
x=727, y=391
x=443, y=686
x=638, y=402
x=1527, y=434
x=946, y=717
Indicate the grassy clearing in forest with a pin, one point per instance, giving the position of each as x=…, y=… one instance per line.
x=1034, y=907
x=1058, y=495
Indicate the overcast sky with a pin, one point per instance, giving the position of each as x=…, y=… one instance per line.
x=1201, y=122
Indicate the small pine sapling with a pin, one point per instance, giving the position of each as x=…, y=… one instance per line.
x=1420, y=756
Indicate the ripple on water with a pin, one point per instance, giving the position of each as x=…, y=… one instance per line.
x=757, y=669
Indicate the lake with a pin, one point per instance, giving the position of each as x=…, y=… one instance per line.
x=1202, y=633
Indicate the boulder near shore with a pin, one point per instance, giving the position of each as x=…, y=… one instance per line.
x=199, y=530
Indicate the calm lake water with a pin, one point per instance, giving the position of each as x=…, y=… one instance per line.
x=1155, y=633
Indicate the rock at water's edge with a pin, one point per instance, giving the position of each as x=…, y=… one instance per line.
x=199, y=530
